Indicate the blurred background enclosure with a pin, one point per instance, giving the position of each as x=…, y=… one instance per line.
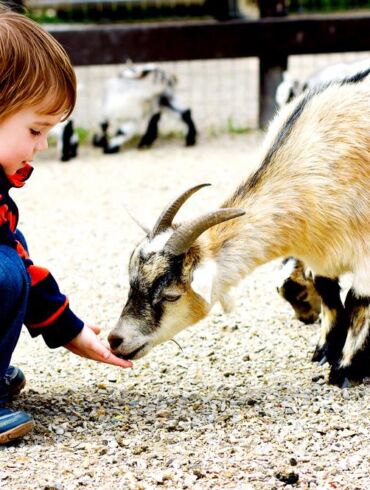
x=145, y=10
x=228, y=91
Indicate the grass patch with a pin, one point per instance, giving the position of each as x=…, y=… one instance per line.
x=233, y=129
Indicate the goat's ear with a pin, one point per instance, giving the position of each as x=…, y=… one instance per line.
x=202, y=282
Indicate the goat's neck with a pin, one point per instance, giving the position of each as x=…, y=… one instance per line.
x=265, y=232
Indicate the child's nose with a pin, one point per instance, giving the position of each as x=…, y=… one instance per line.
x=42, y=145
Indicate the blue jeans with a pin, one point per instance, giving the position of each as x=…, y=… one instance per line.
x=14, y=290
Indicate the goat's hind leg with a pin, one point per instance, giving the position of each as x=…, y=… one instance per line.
x=333, y=323
x=354, y=363
x=169, y=102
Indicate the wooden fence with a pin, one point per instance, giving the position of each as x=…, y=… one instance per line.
x=271, y=39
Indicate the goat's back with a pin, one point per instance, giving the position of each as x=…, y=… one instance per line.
x=314, y=179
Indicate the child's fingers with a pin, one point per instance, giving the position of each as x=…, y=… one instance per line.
x=116, y=361
x=94, y=328
x=87, y=344
x=103, y=354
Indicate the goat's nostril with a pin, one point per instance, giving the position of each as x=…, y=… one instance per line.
x=115, y=341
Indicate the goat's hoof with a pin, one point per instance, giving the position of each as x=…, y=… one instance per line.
x=320, y=355
x=344, y=377
x=323, y=361
x=191, y=141
x=111, y=150
x=326, y=353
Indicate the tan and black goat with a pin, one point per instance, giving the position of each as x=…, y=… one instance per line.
x=309, y=199
x=296, y=284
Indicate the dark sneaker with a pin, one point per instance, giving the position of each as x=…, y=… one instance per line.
x=11, y=384
x=13, y=425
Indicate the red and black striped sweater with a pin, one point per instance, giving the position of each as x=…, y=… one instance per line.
x=48, y=311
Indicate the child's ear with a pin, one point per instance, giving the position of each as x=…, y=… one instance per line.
x=202, y=282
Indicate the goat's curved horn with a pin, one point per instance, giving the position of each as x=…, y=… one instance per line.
x=165, y=219
x=186, y=234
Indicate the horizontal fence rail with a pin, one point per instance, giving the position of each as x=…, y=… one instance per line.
x=214, y=40
x=271, y=39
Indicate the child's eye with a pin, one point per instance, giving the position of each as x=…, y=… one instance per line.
x=35, y=133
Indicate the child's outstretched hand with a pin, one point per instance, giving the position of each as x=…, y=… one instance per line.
x=87, y=344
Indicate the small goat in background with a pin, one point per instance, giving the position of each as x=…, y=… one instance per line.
x=136, y=98
x=290, y=87
x=309, y=199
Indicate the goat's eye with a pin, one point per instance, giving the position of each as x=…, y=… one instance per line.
x=171, y=298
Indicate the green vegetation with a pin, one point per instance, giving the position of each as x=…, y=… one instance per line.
x=84, y=135
x=232, y=129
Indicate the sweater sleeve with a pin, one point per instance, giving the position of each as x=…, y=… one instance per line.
x=48, y=312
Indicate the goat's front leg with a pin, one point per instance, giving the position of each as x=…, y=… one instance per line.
x=353, y=364
x=124, y=133
x=151, y=133
x=101, y=140
x=333, y=324
x=69, y=142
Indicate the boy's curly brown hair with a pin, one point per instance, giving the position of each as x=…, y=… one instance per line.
x=34, y=68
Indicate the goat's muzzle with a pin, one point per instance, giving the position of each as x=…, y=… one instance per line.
x=116, y=343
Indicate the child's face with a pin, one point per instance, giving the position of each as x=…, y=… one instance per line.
x=22, y=135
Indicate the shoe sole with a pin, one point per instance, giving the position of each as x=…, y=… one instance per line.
x=17, y=390
x=17, y=432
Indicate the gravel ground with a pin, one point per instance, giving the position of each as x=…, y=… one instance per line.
x=240, y=407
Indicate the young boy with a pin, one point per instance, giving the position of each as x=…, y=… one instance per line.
x=37, y=90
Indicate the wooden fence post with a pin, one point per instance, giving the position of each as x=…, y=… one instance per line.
x=271, y=66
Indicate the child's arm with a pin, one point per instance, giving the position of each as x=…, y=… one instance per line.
x=48, y=312
x=87, y=344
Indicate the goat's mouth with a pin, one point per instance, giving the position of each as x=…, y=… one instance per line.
x=133, y=354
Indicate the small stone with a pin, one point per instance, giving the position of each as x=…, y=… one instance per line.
x=139, y=449
x=199, y=473
x=251, y=402
x=288, y=478
x=164, y=413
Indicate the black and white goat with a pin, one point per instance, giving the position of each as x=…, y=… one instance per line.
x=289, y=87
x=137, y=96
x=309, y=199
